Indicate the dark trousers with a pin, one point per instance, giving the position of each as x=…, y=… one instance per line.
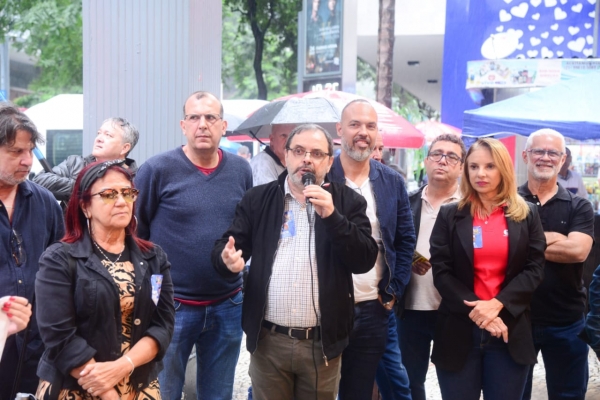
x=489, y=368
x=416, y=330
x=391, y=377
x=8, y=370
x=565, y=361
x=367, y=344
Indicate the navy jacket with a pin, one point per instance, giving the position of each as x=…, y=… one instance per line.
x=38, y=219
x=343, y=245
x=395, y=224
x=80, y=316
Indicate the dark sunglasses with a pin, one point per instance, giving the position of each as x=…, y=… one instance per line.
x=18, y=251
x=109, y=196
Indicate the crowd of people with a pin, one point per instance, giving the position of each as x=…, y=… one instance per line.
x=338, y=276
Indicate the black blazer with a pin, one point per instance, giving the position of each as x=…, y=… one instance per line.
x=452, y=263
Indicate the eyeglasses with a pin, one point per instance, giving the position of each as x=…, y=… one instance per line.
x=316, y=155
x=552, y=154
x=18, y=251
x=209, y=118
x=451, y=158
x=109, y=196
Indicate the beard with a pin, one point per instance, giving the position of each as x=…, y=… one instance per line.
x=297, y=179
x=11, y=179
x=355, y=154
x=543, y=175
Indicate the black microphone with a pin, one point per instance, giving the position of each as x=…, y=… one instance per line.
x=308, y=179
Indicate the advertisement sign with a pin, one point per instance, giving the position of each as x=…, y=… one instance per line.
x=526, y=72
x=323, y=37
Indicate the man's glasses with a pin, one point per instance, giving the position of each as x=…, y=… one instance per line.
x=18, y=251
x=316, y=155
x=209, y=118
x=109, y=196
x=451, y=158
x=552, y=154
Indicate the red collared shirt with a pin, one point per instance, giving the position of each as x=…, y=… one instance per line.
x=491, y=259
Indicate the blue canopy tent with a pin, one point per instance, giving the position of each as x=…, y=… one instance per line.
x=571, y=107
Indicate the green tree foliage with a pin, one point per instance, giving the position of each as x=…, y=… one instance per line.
x=403, y=102
x=50, y=31
x=265, y=31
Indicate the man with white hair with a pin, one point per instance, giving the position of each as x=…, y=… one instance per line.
x=558, y=304
x=115, y=139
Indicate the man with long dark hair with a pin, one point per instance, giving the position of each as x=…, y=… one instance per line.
x=30, y=220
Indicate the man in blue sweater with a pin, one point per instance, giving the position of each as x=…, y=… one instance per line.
x=187, y=200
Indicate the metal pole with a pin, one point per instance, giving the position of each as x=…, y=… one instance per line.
x=4, y=71
x=301, y=47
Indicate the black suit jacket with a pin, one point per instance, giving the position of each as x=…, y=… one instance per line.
x=452, y=262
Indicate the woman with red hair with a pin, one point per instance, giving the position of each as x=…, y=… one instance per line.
x=104, y=297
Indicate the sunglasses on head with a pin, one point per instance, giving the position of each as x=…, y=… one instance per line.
x=109, y=196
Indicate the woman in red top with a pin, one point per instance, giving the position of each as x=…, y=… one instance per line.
x=487, y=255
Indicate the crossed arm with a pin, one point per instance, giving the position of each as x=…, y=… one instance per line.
x=573, y=248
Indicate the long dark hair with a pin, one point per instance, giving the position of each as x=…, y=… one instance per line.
x=75, y=220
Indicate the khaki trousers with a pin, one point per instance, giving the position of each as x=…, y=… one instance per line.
x=284, y=368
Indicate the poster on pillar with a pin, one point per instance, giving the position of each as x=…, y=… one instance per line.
x=509, y=29
x=323, y=37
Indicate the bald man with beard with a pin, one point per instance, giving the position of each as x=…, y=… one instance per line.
x=376, y=291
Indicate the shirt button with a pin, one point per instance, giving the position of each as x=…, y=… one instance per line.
x=137, y=321
x=20, y=282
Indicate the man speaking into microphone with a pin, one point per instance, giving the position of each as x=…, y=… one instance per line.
x=299, y=298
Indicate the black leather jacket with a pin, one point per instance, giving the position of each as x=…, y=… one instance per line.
x=415, y=201
x=343, y=245
x=79, y=316
x=62, y=178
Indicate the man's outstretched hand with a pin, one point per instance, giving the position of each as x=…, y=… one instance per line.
x=233, y=259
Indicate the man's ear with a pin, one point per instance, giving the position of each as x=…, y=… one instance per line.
x=224, y=129
x=126, y=148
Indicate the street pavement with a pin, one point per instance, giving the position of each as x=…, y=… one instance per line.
x=242, y=380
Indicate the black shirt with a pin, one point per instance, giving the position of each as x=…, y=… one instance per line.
x=560, y=298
